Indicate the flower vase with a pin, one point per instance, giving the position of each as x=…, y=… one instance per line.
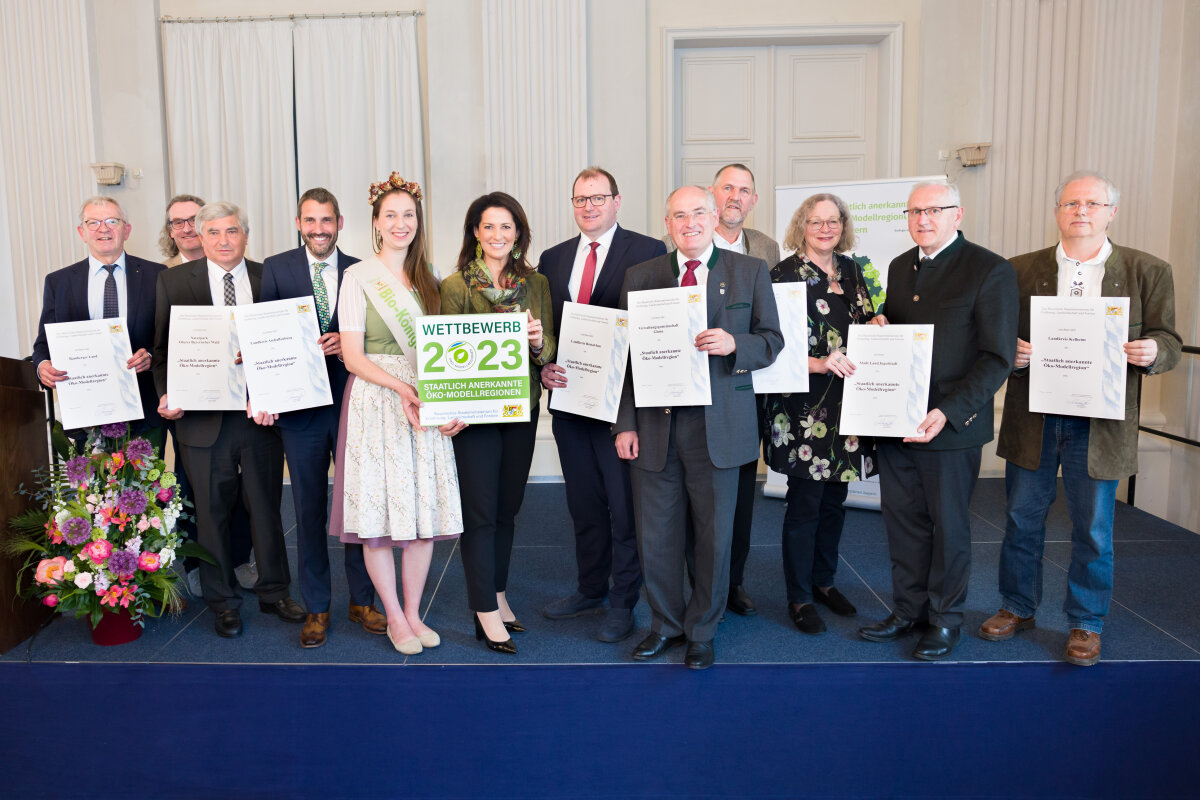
x=116, y=627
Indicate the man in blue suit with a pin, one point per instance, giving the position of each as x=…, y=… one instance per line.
x=310, y=435
x=590, y=269
x=108, y=283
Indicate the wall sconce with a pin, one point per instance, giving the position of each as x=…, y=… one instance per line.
x=973, y=155
x=109, y=173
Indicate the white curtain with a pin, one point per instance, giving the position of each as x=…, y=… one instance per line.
x=228, y=88
x=45, y=147
x=358, y=112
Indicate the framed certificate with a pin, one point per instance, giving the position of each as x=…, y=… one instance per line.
x=1078, y=365
x=473, y=367
x=99, y=388
x=284, y=366
x=593, y=349
x=888, y=394
x=668, y=370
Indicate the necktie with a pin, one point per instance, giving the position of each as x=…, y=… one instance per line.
x=589, y=276
x=230, y=294
x=689, y=277
x=321, y=296
x=110, y=293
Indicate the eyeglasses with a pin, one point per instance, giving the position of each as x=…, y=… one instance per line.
x=597, y=200
x=933, y=212
x=95, y=224
x=818, y=224
x=180, y=224
x=1092, y=207
x=687, y=216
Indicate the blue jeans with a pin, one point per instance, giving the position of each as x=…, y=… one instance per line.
x=1090, y=503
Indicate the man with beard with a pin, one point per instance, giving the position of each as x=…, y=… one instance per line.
x=179, y=240
x=310, y=435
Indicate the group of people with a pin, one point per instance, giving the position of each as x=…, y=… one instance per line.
x=663, y=496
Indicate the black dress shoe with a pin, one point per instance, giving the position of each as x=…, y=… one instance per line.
x=936, y=643
x=699, y=655
x=286, y=609
x=654, y=645
x=514, y=626
x=507, y=647
x=891, y=629
x=740, y=603
x=805, y=618
x=229, y=623
x=835, y=601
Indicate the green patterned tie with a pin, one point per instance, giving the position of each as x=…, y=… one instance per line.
x=320, y=295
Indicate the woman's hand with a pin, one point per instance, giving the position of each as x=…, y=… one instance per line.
x=535, y=331
x=836, y=363
x=451, y=428
x=411, y=403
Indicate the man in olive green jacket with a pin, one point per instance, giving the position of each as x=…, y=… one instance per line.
x=1094, y=453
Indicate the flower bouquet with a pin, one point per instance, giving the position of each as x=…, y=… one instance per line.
x=102, y=537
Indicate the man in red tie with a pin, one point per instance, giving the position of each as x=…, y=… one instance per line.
x=590, y=269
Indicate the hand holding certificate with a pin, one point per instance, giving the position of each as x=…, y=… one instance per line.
x=202, y=370
x=281, y=355
x=1078, y=365
x=100, y=388
x=593, y=343
x=668, y=369
x=888, y=394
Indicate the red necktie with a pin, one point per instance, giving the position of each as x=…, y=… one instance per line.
x=589, y=276
x=689, y=277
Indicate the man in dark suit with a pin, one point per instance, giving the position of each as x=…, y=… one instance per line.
x=108, y=283
x=688, y=457
x=969, y=295
x=590, y=269
x=221, y=448
x=310, y=435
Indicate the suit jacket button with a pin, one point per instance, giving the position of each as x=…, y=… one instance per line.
x=666, y=411
x=916, y=298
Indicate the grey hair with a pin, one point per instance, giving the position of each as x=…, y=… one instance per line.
x=709, y=200
x=1114, y=194
x=742, y=167
x=101, y=200
x=951, y=190
x=219, y=210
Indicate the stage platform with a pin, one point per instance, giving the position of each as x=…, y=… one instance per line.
x=780, y=715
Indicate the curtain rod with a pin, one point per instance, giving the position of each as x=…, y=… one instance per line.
x=275, y=17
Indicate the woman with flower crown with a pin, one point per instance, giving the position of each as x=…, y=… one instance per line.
x=493, y=459
x=396, y=483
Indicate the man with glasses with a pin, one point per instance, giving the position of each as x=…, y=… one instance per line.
x=969, y=295
x=108, y=283
x=179, y=240
x=590, y=269
x=1094, y=453
x=688, y=457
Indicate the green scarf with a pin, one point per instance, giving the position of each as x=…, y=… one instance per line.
x=501, y=300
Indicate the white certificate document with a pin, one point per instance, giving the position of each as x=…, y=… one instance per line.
x=888, y=394
x=668, y=370
x=593, y=348
x=99, y=388
x=284, y=366
x=202, y=373
x=1078, y=363
x=789, y=372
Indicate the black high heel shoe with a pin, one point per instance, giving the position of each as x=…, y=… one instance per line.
x=514, y=626
x=507, y=647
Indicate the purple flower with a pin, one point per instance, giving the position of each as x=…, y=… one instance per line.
x=79, y=470
x=138, y=448
x=76, y=530
x=114, y=430
x=131, y=501
x=122, y=563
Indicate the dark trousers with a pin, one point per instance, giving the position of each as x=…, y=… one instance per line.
x=925, y=496
x=493, y=468
x=661, y=500
x=601, y=504
x=812, y=528
x=308, y=451
x=239, y=532
x=743, y=521
x=251, y=455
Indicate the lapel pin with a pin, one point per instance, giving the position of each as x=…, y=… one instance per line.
x=722, y=287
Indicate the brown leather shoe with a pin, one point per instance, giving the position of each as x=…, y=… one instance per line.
x=1083, y=647
x=313, y=632
x=1003, y=625
x=370, y=619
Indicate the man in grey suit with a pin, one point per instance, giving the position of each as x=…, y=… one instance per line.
x=735, y=195
x=688, y=457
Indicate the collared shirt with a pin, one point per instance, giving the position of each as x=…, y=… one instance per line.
x=921, y=253
x=329, y=274
x=97, y=276
x=738, y=247
x=702, y=270
x=241, y=284
x=605, y=241
x=1081, y=278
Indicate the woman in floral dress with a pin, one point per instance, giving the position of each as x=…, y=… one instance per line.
x=800, y=431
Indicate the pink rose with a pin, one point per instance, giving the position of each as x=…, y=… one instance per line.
x=50, y=600
x=98, y=551
x=165, y=495
x=143, y=525
x=156, y=523
x=50, y=570
x=148, y=562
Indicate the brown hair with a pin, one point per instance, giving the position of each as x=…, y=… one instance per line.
x=416, y=263
x=794, y=238
x=516, y=267
x=320, y=195
x=597, y=172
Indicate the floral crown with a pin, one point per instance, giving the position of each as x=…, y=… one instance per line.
x=394, y=181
